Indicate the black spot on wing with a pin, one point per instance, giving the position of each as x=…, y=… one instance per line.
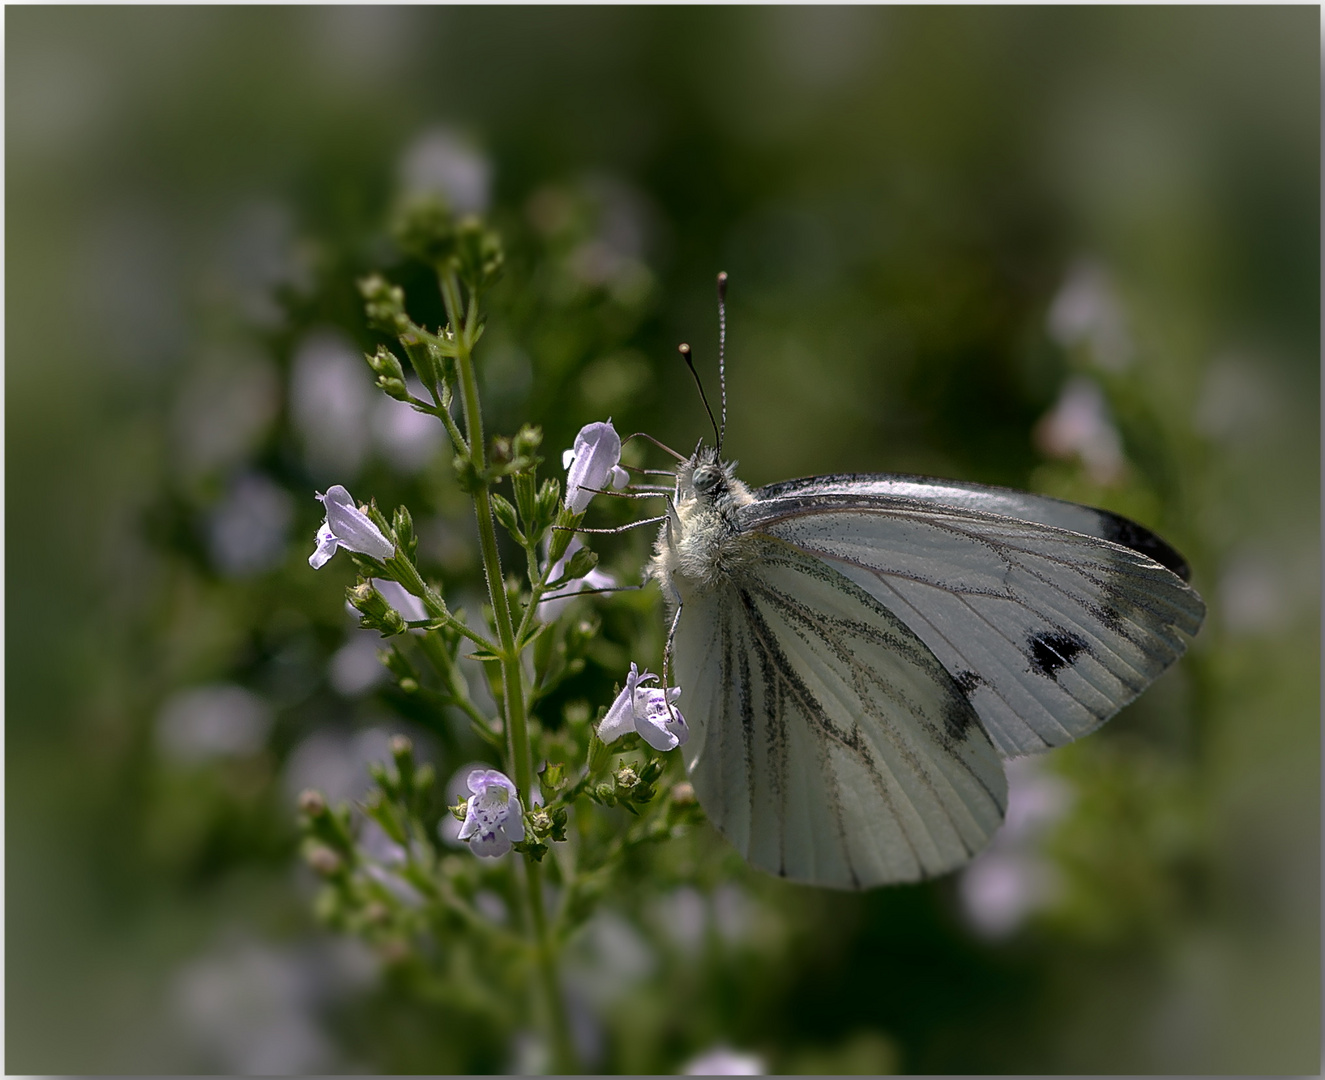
x=1052, y=650
x=958, y=719
x=1124, y=531
x=967, y=681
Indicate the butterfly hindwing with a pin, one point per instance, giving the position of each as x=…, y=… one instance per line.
x=828, y=743
x=1048, y=631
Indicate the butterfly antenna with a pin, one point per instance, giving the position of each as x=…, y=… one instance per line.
x=722, y=352
x=684, y=350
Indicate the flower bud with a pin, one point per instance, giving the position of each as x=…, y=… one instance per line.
x=312, y=803
x=425, y=229
x=403, y=525
x=376, y=613
x=478, y=253
x=323, y=860
x=527, y=441
x=683, y=794
x=390, y=375
x=581, y=563
x=384, y=304
x=653, y=769
x=552, y=777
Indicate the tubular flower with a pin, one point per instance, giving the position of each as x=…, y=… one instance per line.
x=349, y=527
x=592, y=463
x=494, y=817
x=647, y=710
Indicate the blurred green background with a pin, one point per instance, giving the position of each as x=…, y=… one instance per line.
x=1075, y=250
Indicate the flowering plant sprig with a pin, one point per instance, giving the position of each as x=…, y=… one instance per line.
x=387, y=872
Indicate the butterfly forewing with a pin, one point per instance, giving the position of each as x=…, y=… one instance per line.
x=1047, y=631
x=921, y=491
x=829, y=744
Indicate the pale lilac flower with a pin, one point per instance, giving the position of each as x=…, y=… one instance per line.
x=220, y=720
x=592, y=463
x=407, y=605
x=550, y=607
x=723, y=1061
x=1079, y=425
x=442, y=162
x=1012, y=878
x=493, y=816
x=647, y=710
x=349, y=527
x=1086, y=311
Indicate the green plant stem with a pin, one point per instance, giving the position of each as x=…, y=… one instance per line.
x=512, y=676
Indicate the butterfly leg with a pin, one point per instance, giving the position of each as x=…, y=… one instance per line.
x=616, y=528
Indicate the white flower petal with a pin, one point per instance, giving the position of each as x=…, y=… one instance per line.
x=660, y=725
x=597, y=451
x=471, y=823
x=352, y=527
x=489, y=845
x=326, y=547
x=620, y=718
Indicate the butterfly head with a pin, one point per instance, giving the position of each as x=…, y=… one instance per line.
x=708, y=480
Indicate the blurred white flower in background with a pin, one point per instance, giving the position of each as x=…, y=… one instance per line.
x=1253, y=595
x=442, y=162
x=330, y=397
x=408, y=439
x=605, y=959
x=259, y=254
x=254, y=1009
x=1085, y=311
x=336, y=763
x=551, y=606
x=248, y=529
x=1236, y=401
x=1080, y=426
x=220, y=720
x=355, y=666
x=685, y=916
x=224, y=410
x=724, y=1061
x=1011, y=879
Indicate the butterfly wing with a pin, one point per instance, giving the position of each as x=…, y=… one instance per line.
x=828, y=743
x=921, y=491
x=1048, y=626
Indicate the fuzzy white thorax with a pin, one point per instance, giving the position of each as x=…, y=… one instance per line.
x=700, y=542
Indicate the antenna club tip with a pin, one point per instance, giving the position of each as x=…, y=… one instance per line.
x=722, y=282
x=683, y=349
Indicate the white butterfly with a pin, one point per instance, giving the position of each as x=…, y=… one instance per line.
x=858, y=654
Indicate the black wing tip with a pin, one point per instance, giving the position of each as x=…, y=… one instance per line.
x=1129, y=534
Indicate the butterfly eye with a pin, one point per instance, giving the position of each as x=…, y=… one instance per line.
x=705, y=480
